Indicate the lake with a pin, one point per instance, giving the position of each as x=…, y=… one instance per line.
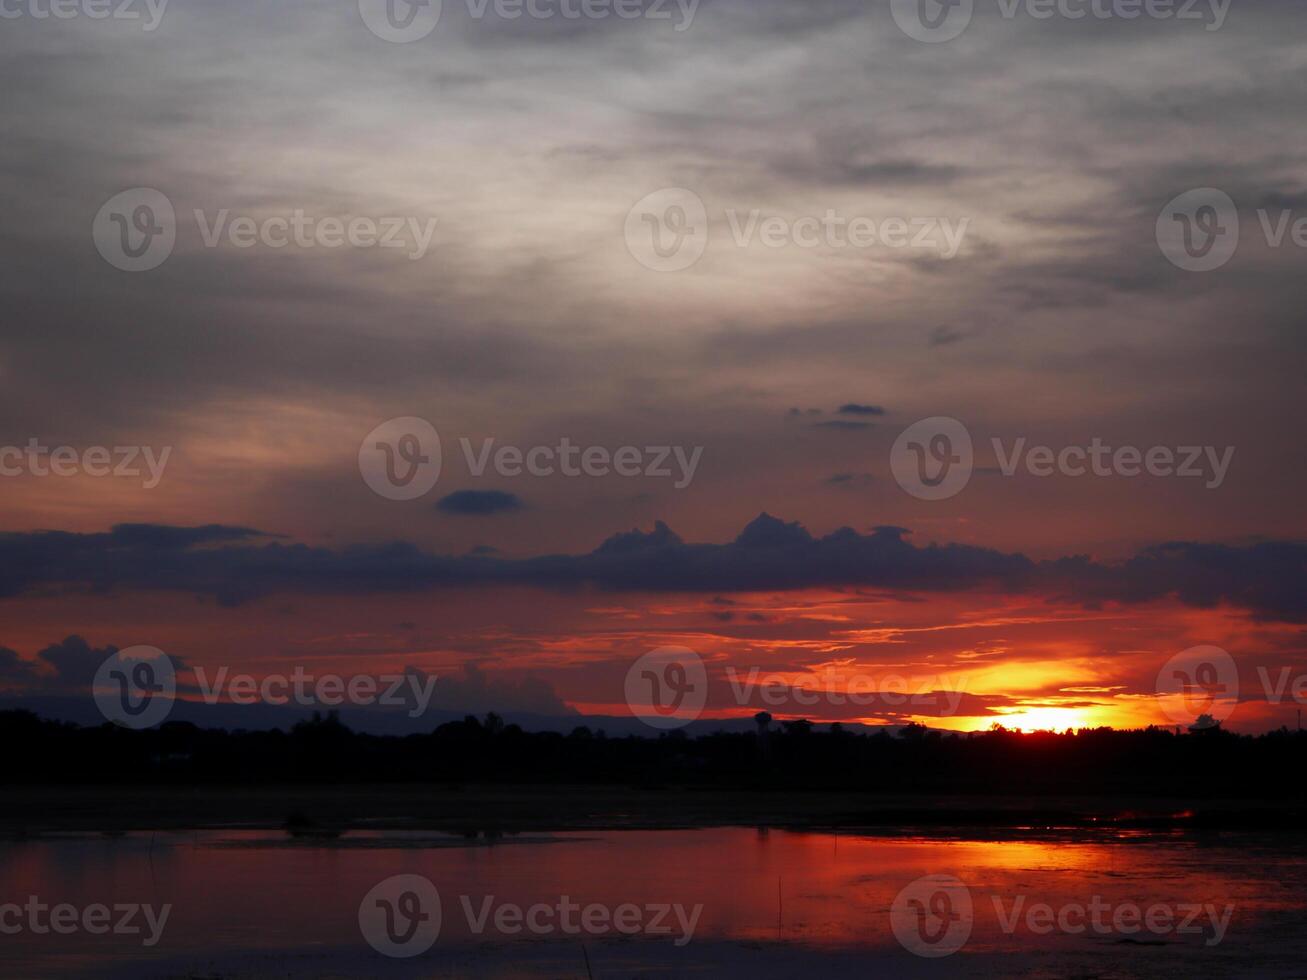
x=725, y=901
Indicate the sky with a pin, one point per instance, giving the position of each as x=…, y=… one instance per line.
x=762, y=389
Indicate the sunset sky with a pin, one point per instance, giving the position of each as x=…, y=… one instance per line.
x=1048, y=602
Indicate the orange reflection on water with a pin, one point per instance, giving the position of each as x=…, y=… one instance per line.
x=259, y=892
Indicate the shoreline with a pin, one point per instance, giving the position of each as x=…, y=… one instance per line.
x=314, y=810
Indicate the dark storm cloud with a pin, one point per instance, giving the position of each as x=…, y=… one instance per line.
x=64, y=667
x=1265, y=578
x=74, y=661
x=769, y=554
x=13, y=667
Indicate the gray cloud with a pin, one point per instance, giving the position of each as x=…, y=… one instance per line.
x=769, y=554
x=529, y=141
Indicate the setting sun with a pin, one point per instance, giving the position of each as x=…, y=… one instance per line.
x=1048, y=719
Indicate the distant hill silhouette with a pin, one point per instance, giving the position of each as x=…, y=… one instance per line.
x=372, y=720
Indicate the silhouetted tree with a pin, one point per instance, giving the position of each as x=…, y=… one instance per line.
x=1206, y=763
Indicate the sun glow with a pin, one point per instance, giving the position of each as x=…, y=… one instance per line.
x=1048, y=719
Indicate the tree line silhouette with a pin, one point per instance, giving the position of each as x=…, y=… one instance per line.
x=793, y=755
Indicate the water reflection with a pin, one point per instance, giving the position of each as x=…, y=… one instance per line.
x=252, y=902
